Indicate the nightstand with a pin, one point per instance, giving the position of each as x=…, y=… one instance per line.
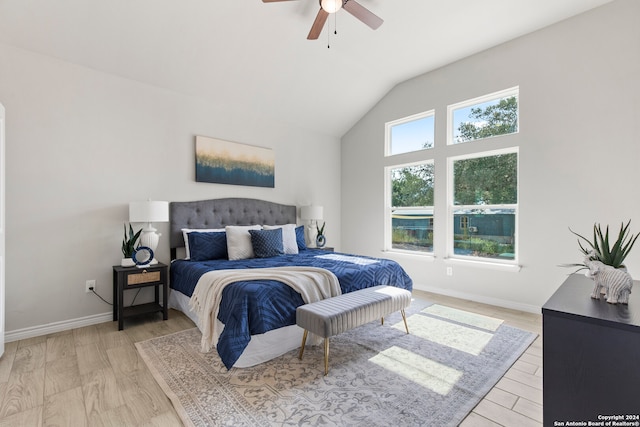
x=126, y=278
x=326, y=248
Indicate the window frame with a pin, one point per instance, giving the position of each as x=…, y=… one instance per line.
x=442, y=155
x=388, y=220
x=506, y=93
x=451, y=208
x=404, y=120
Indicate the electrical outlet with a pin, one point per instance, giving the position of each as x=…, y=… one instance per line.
x=90, y=285
x=449, y=271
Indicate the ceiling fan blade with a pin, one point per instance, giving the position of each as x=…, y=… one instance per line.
x=363, y=14
x=316, y=28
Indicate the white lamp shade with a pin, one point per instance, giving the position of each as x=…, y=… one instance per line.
x=149, y=211
x=311, y=212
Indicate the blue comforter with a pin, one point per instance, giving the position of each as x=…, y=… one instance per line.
x=258, y=306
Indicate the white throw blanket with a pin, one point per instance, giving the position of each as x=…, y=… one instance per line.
x=314, y=284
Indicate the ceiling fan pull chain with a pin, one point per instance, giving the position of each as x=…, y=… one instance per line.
x=335, y=29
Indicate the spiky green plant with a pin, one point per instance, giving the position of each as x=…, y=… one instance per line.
x=599, y=248
x=129, y=243
x=320, y=230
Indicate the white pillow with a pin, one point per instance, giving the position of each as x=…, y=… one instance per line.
x=239, y=241
x=185, y=236
x=289, y=242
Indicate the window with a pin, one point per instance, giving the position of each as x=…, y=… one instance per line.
x=464, y=222
x=479, y=185
x=484, y=117
x=411, y=208
x=484, y=205
x=410, y=134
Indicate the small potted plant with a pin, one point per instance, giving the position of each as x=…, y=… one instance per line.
x=129, y=245
x=600, y=249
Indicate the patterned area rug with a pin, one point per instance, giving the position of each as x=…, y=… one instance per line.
x=378, y=375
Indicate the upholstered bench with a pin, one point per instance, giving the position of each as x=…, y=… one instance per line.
x=333, y=316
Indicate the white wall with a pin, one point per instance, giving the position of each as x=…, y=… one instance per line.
x=579, y=151
x=82, y=144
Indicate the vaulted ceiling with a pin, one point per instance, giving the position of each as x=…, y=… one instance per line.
x=254, y=58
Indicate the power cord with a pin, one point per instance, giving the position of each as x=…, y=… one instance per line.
x=110, y=303
x=98, y=295
x=135, y=296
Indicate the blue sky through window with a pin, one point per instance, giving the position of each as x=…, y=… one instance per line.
x=413, y=135
x=463, y=115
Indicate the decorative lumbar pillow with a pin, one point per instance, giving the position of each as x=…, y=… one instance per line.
x=206, y=246
x=289, y=241
x=239, y=241
x=302, y=243
x=267, y=243
x=185, y=236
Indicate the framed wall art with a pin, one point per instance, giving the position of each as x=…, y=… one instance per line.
x=225, y=162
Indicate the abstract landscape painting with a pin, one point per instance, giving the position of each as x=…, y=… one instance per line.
x=226, y=162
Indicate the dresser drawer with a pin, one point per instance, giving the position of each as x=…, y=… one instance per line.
x=143, y=277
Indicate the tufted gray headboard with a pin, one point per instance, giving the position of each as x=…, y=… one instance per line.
x=218, y=213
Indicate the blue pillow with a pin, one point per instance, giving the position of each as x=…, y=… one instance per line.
x=206, y=246
x=267, y=243
x=302, y=243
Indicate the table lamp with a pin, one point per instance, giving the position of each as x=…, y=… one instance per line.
x=148, y=212
x=312, y=214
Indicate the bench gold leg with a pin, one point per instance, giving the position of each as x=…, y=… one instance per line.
x=304, y=341
x=326, y=355
x=404, y=317
x=382, y=321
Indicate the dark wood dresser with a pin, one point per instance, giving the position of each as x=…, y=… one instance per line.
x=591, y=356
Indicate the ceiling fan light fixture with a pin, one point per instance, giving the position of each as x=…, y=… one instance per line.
x=331, y=6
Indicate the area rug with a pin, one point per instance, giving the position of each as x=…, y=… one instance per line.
x=378, y=375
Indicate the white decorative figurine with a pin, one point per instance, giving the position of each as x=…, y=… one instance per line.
x=616, y=283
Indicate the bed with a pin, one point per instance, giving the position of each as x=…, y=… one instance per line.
x=257, y=315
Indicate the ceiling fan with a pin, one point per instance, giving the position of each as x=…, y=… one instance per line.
x=331, y=6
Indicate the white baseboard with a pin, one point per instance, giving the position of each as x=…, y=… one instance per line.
x=50, y=328
x=480, y=298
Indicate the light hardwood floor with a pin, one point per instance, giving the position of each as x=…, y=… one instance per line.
x=93, y=376
x=516, y=400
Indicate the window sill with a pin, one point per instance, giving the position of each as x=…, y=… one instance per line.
x=514, y=268
x=429, y=257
